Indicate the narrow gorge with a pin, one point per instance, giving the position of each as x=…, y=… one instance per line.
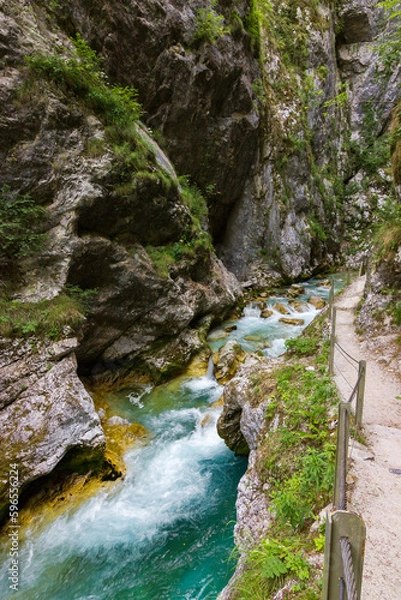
x=163, y=164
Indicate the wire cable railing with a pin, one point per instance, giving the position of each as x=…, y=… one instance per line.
x=345, y=530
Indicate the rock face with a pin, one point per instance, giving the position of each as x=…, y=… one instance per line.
x=96, y=231
x=240, y=425
x=241, y=421
x=291, y=223
x=198, y=95
x=47, y=418
x=112, y=212
x=317, y=134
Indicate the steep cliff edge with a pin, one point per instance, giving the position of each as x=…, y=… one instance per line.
x=328, y=99
x=118, y=228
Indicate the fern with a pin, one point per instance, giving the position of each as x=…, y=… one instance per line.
x=273, y=567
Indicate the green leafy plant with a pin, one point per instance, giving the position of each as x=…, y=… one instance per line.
x=390, y=47
x=302, y=345
x=209, y=25
x=82, y=76
x=20, y=218
x=268, y=565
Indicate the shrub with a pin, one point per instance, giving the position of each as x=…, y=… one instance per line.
x=302, y=346
x=20, y=217
x=81, y=75
x=209, y=25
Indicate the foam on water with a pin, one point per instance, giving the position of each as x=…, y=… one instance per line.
x=162, y=532
x=170, y=484
x=135, y=397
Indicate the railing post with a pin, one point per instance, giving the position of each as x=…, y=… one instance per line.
x=342, y=524
x=360, y=396
x=362, y=268
x=331, y=299
x=340, y=481
x=332, y=340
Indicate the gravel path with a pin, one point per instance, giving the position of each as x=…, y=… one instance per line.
x=375, y=490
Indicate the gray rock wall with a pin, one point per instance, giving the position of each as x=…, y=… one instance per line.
x=197, y=95
x=299, y=198
x=46, y=413
x=95, y=237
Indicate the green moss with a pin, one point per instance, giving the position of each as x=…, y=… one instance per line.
x=45, y=319
x=95, y=147
x=252, y=25
x=182, y=254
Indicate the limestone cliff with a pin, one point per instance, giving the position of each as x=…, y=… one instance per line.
x=328, y=98
x=117, y=223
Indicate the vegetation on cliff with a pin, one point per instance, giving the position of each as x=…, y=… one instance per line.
x=295, y=462
x=20, y=219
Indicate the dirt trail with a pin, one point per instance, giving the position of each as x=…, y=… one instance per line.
x=376, y=492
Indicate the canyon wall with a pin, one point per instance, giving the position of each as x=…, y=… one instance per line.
x=251, y=132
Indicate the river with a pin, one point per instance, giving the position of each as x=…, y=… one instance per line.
x=165, y=532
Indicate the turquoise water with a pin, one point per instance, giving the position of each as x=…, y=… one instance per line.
x=270, y=329
x=166, y=531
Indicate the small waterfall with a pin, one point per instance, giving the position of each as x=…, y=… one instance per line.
x=252, y=311
x=210, y=370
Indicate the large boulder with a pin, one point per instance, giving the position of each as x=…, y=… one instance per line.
x=227, y=360
x=47, y=419
x=243, y=412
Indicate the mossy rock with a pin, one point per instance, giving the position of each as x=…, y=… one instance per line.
x=227, y=360
x=317, y=302
x=281, y=308
x=291, y=321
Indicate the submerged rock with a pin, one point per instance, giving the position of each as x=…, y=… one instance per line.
x=317, y=302
x=299, y=306
x=291, y=321
x=296, y=290
x=281, y=308
x=230, y=328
